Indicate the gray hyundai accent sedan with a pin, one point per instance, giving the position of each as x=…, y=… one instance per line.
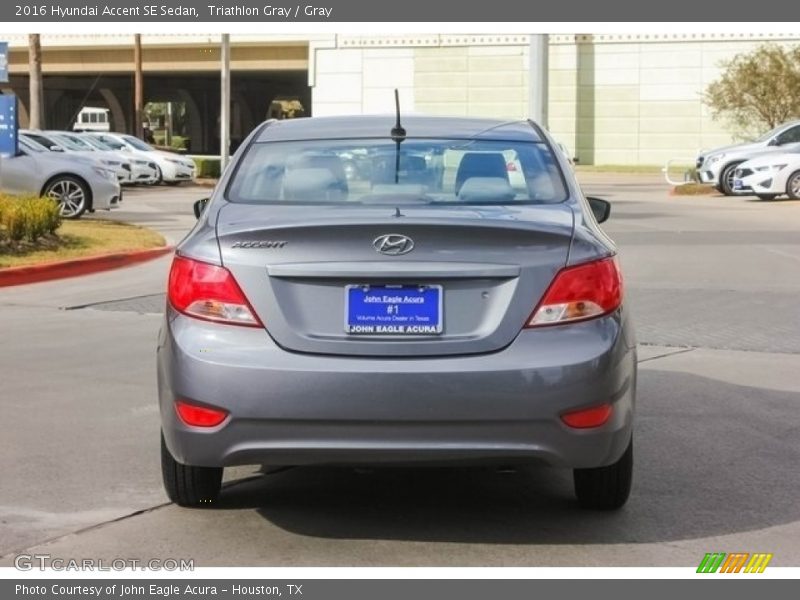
x=359, y=291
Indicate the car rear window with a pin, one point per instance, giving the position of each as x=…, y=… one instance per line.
x=413, y=171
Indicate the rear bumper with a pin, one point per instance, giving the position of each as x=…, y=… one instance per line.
x=291, y=409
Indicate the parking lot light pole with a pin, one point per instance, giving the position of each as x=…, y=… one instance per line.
x=225, y=103
x=537, y=78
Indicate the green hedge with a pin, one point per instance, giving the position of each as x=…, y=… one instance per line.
x=178, y=142
x=27, y=217
x=206, y=167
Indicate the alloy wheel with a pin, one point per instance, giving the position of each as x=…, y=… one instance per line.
x=793, y=187
x=70, y=195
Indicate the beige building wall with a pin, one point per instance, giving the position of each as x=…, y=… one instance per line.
x=614, y=99
x=435, y=74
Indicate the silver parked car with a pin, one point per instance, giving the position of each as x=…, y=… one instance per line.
x=77, y=183
x=56, y=141
x=422, y=308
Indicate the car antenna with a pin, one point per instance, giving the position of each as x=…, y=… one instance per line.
x=398, y=135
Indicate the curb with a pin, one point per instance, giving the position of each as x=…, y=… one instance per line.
x=710, y=192
x=78, y=266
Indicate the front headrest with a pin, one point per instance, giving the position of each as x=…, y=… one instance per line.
x=481, y=164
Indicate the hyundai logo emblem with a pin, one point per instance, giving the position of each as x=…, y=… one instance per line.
x=393, y=244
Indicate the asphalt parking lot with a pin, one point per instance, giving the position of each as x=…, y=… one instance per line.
x=713, y=283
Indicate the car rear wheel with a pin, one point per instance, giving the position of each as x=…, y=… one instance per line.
x=793, y=186
x=186, y=485
x=726, y=179
x=71, y=194
x=605, y=488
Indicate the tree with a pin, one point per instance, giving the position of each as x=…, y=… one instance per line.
x=757, y=90
x=35, y=81
x=138, y=87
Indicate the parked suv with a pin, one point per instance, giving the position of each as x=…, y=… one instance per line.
x=717, y=166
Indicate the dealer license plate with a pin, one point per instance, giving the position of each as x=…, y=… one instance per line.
x=393, y=309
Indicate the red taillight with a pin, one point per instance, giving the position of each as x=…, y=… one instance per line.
x=208, y=292
x=580, y=292
x=588, y=417
x=199, y=416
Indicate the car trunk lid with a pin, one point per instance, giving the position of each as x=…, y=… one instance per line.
x=315, y=274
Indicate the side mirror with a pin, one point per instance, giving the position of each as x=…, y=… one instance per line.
x=199, y=207
x=56, y=148
x=774, y=142
x=600, y=208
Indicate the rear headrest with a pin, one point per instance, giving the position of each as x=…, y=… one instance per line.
x=412, y=169
x=312, y=185
x=486, y=189
x=314, y=177
x=412, y=163
x=480, y=164
x=319, y=161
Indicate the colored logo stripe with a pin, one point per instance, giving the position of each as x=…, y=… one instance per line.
x=734, y=562
x=711, y=562
x=758, y=563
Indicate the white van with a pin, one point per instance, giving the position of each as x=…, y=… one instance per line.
x=92, y=119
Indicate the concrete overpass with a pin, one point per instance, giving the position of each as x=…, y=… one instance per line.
x=97, y=70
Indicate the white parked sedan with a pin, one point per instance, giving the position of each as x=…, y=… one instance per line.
x=172, y=168
x=138, y=170
x=770, y=175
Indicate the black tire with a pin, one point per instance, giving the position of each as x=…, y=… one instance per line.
x=767, y=196
x=605, y=488
x=726, y=179
x=159, y=176
x=72, y=195
x=793, y=186
x=189, y=486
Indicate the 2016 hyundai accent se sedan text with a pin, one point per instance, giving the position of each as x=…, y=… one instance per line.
x=358, y=292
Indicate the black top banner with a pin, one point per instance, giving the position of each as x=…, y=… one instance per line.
x=450, y=11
